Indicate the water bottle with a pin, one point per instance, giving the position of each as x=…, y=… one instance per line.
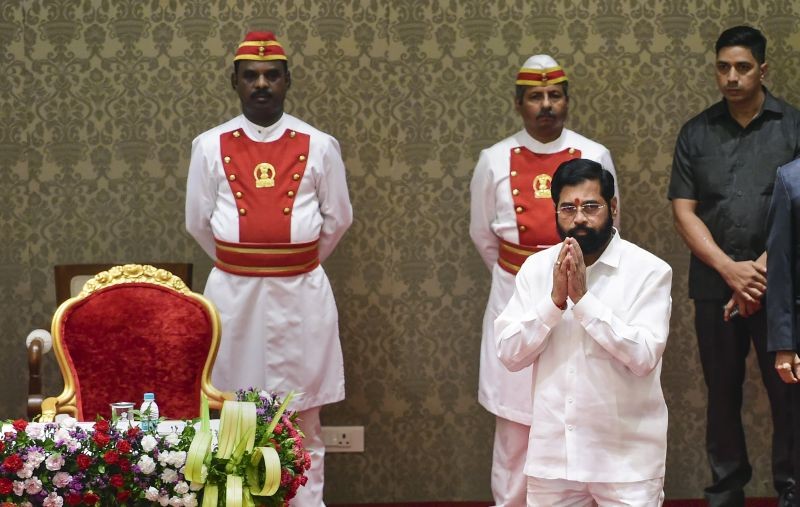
x=149, y=413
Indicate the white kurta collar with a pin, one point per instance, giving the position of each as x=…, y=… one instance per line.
x=526, y=140
x=611, y=255
x=262, y=134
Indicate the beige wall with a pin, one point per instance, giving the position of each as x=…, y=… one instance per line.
x=100, y=102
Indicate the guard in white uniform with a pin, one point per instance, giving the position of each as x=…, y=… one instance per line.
x=512, y=216
x=267, y=200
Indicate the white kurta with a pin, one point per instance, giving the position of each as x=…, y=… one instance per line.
x=598, y=410
x=492, y=216
x=278, y=333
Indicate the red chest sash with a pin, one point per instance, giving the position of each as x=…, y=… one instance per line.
x=530, y=177
x=264, y=179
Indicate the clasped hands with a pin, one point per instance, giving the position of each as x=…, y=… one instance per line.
x=748, y=280
x=569, y=274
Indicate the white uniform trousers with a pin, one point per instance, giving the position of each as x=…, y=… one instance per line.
x=310, y=495
x=508, y=462
x=564, y=493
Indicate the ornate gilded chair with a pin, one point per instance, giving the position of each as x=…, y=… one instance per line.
x=135, y=329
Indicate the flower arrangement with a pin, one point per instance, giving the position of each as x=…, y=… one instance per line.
x=69, y=463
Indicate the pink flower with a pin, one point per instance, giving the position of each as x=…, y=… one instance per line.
x=33, y=486
x=62, y=479
x=54, y=462
x=53, y=500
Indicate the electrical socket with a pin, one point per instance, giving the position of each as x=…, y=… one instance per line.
x=343, y=438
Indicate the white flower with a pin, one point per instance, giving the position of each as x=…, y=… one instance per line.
x=53, y=500
x=172, y=439
x=147, y=466
x=68, y=422
x=177, y=458
x=169, y=475
x=54, y=462
x=35, y=430
x=163, y=500
x=19, y=488
x=149, y=443
x=151, y=494
x=190, y=500
x=62, y=479
x=176, y=501
x=181, y=488
x=33, y=485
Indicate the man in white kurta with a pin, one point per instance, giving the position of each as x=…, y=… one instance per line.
x=267, y=200
x=512, y=217
x=593, y=321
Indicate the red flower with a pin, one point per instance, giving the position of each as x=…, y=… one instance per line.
x=124, y=465
x=20, y=424
x=111, y=457
x=6, y=486
x=278, y=429
x=89, y=498
x=124, y=447
x=13, y=463
x=84, y=461
x=2, y=446
x=74, y=499
x=101, y=425
x=123, y=495
x=101, y=439
x=117, y=480
x=133, y=431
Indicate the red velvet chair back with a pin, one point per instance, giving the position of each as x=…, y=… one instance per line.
x=130, y=334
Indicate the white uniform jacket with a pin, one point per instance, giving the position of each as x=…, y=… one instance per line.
x=598, y=410
x=492, y=216
x=278, y=333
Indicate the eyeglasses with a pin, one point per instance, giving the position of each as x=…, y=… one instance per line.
x=589, y=209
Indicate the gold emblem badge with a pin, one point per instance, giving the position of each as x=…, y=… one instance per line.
x=265, y=175
x=541, y=186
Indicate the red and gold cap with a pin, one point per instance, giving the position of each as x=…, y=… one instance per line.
x=261, y=46
x=540, y=70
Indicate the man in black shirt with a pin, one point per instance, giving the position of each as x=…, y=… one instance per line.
x=722, y=179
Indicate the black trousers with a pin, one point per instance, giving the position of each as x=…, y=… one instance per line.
x=723, y=349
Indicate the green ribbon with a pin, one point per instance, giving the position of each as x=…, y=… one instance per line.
x=237, y=431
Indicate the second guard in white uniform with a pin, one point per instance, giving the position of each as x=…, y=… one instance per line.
x=512, y=216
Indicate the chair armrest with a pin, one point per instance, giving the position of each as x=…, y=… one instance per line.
x=39, y=342
x=48, y=409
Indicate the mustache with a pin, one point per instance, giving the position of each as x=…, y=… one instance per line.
x=260, y=93
x=579, y=228
x=546, y=113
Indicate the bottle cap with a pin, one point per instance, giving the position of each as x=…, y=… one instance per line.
x=149, y=396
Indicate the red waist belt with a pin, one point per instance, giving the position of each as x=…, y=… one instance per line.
x=512, y=255
x=267, y=259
